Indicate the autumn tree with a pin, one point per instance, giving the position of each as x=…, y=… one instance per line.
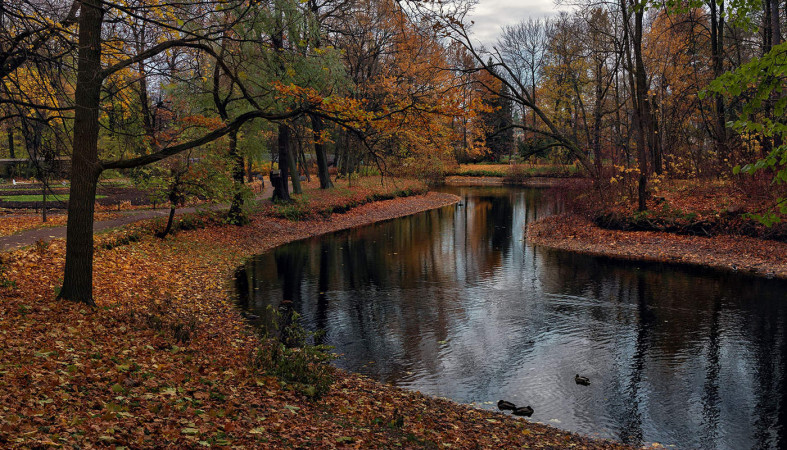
x=189, y=26
x=449, y=18
x=404, y=98
x=34, y=39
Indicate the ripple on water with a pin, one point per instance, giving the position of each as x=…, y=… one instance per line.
x=469, y=312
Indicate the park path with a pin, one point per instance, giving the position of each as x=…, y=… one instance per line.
x=30, y=237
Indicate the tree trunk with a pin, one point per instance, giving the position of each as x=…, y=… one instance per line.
x=655, y=141
x=533, y=75
x=322, y=158
x=294, y=172
x=767, y=26
x=43, y=201
x=776, y=29
x=304, y=164
x=85, y=167
x=236, y=214
x=717, y=61
x=170, y=220
x=282, y=193
x=638, y=82
x=618, y=130
x=317, y=126
x=776, y=39
x=285, y=157
x=642, y=114
x=597, y=116
x=11, y=146
x=144, y=102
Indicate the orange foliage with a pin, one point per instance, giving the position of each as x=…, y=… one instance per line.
x=166, y=358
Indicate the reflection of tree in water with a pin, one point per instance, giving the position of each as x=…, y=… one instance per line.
x=733, y=328
x=781, y=386
x=499, y=222
x=770, y=353
x=700, y=355
x=394, y=270
x=631, y=431
x=323, y=285
x=711, y=400
x=291, y=264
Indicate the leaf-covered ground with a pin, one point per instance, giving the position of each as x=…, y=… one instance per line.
x=724, y=252
x=690, y=207
x=166, y=359
x=15, y=223
x=696, y=222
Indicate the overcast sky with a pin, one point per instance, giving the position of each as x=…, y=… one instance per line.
x=491, y=15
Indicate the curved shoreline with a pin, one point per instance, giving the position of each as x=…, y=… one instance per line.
x=725, y=253
x=153, y=289
x=495, y=422
x=533, y=182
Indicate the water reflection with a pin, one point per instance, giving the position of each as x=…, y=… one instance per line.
x=455, y=303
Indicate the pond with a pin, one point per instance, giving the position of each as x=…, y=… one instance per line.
x=456, y=303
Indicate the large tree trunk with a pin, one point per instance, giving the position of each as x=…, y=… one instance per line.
x=280, y=188
x=277, y=38
x=638, y=82
x=85, y=167
x=295, y=174
x=643, y=114
x=236, y=215
x=322, y=158
x=317, y=126
x=717, y=61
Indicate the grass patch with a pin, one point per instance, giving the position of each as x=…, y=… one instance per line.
x=291, y=354
x=521, y=170
x=38, y=198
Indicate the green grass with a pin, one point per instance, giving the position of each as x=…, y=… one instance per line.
x=504, y=170
x=38, y=198
x=483, y=173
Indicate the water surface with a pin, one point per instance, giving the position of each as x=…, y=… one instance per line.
x=454, y=302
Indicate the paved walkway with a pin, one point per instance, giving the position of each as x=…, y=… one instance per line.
x=30, y=237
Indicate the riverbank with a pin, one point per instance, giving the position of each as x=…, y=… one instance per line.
x=534, y=182
x=166, y=359
x=723, y=252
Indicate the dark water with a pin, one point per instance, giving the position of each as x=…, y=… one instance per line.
x=455, y=303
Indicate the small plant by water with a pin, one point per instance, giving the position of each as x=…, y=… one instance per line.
x=295, y=210
x=291, y=353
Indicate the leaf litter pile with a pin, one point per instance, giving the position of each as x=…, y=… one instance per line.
x=723, y=252
x=700, y=223
x=167, y=360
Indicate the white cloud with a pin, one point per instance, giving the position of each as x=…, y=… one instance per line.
x=491, y=15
